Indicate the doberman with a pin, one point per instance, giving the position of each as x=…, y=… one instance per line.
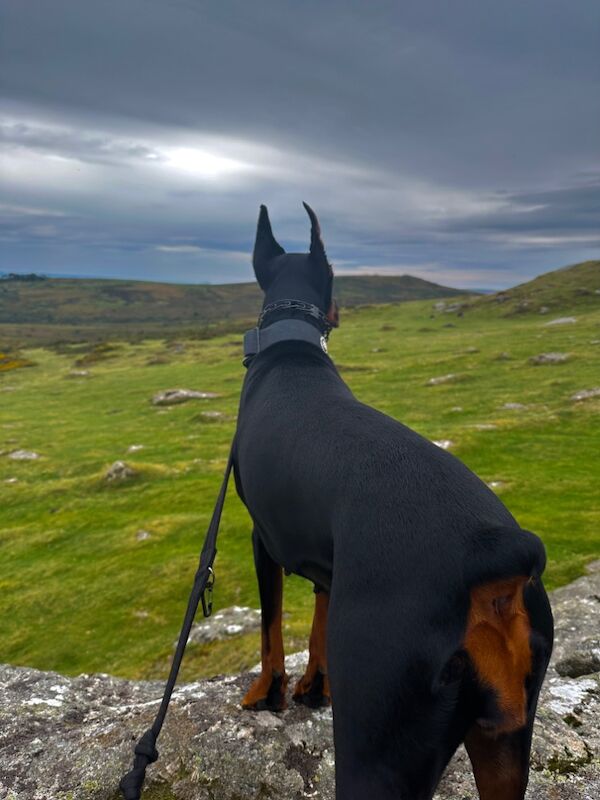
x=432, y=626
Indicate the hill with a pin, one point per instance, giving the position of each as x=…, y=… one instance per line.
x=571, y=287
x=72, y=309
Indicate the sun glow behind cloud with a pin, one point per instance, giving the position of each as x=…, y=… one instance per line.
x=202, y=163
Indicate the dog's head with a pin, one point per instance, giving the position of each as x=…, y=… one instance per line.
x=294, y=276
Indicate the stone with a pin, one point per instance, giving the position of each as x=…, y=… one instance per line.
x=549, y=358
x=73, y=737
x=585, y=394
x=225, y=623
x=496, y=485
x=135, y=448
x=142, y=535
x=544, y=310
x=561, y=321
x=445, y=444
x=119, y=471
x=79, y=373
x=174, y=397
x=503, y=357
x=441, y=379
x=514, y=406
x=24, y=455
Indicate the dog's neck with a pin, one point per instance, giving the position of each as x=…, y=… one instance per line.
x=287, y=320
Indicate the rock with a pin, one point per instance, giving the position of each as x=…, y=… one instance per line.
x=11, y=480
x=544, y=310
x=23, y=455
x=441, y=379
x=503, y=357
x=79, y=373
x=549, y=358
x=73, y=737
x=496, y=485
x=212, y=414
x=142, y=535
x=225, y=623
x=119, y=471
x=561, y=321
x=173, y=397
x=445, y=444
x=485, y=426
x=514, y=406
x=472, y=350
x=456, y=409
x=135, y=448
x=585, y=394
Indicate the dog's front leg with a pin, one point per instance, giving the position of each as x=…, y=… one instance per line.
x=313, y=687
x=267, y=693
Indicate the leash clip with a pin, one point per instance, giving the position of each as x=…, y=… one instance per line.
x=207, y=594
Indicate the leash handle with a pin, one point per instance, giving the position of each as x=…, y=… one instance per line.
x=145, y=751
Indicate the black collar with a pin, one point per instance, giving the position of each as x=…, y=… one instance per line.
x=284, y=330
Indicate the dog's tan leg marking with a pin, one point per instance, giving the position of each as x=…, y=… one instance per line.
x=497, y=640
x=313, y=686
x=268, y=690
x=500, y=767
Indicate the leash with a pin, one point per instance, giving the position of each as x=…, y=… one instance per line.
x=145, y=750
x=255, y=341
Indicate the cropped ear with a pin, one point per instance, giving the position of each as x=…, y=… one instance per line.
x=317, y=252
x=317, y=248
x=266, y=249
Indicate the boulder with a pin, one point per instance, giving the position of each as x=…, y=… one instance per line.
x=73, y=737
x=441, y=379
x=586, y=394
x=225, y=623
x=549, y=358
x=174, y=397
x=24, y=455
x=119, y=471
x=562, y=321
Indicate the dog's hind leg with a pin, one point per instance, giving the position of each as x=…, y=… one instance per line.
x=267, y=693
x=313, y=687
x=499, y=755
x=500, y=763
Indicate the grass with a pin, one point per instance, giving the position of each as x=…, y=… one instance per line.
x=78, y=590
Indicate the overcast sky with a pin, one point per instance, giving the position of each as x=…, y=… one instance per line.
x=457, y=141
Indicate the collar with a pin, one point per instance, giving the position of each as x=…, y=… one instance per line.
x=285, y=330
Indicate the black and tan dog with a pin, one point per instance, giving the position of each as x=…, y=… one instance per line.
x=432, y=626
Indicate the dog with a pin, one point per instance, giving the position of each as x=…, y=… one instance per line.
x=431, y=626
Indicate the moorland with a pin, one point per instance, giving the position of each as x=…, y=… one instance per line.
x=95, y=573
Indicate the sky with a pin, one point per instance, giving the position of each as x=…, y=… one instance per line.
x=459, y=142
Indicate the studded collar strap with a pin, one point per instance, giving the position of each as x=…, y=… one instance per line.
x=285, y=330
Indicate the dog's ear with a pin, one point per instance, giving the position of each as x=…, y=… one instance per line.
x=317, y=248
x=317, y=252
x=265, y=249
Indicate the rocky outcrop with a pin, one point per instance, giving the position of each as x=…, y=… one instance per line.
x=71, y=738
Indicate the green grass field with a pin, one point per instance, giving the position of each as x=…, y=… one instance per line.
x=79, y=591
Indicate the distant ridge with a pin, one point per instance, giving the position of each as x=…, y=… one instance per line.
x=74, y=309
x=576, y=285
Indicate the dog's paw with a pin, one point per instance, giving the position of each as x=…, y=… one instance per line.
x=313, y=689
x=267, y=693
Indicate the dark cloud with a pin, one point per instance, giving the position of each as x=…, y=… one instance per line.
x=449, y=139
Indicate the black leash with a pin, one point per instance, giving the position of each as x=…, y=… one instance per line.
x=145, y=750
